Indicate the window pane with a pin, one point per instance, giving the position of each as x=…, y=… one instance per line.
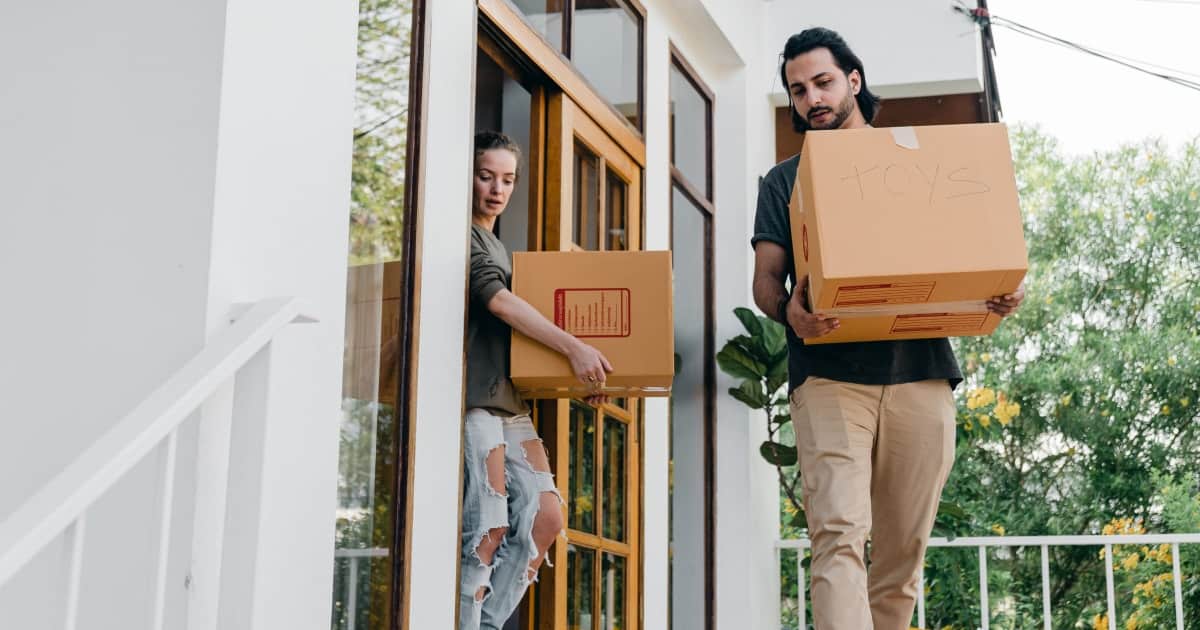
x=581, y=586
x=615, y=203
x=606, y=46
x=687, y=407
x=503, y=104
x=614, y=479
x=689, y=130
x=546, y=16
x=581, y=511
x=370, y=430
x=612, y=593
x=587, y=198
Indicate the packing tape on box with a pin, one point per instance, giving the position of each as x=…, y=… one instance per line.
x=967, y=306
x=906, y=137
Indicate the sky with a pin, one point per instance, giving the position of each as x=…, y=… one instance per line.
x=1090, y=104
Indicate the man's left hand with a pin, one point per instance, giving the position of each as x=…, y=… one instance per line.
x=1004, y=305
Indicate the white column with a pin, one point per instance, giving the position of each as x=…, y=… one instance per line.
x=656, y=443
x=444, y=200
x=280, y=209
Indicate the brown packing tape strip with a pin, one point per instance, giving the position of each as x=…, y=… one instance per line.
x=966, y=306
x=587, y=391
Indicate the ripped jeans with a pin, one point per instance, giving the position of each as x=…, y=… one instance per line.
x=484, y=509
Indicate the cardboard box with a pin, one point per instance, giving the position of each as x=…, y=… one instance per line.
x=906, y=232
x=618, y=302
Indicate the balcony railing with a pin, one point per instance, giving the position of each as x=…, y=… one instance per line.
x=798, y=547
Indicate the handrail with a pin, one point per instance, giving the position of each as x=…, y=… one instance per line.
x=1044, y=542
x=63, y=500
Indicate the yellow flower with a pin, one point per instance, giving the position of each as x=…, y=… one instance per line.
x=998, y=529
x=1141, y=181
x=1131, y=623
x=980, y=397
x=985, y=420
x=1104, y=413
x=1184, y=402
x=1049, y=299
x=985, y=357
x=1166, y=410
x=583, y=505
x=1006, y=411
x=1100, y=622
x=1192, y=195
x=1065, y=400
x=1149, y=216
x=1171, y=361
x=1131, y=561
x=968, y=426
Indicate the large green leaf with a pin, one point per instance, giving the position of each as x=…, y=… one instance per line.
x=736, y=362
x=750, y=393
x=749, y=321
x=781, y=419
x=778, y=454
x=774, y=336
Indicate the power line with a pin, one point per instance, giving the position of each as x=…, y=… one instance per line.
x=1017, y=27
x=983, y=17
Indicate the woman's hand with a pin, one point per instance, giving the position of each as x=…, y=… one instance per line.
x=589, y=365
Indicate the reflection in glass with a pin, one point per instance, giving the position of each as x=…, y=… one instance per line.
x=614, y=479
x=587, y=197
x=612, y=592
x=365, y=517
x=581, y=585
x=689, y=131
x=581, y=506
x=546, y=17
x=615, y=214
x=606, y=47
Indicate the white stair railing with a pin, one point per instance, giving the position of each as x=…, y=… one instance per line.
x=235, y=360
x=1044, y=542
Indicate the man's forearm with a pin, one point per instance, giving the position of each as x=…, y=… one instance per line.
x=771, y=297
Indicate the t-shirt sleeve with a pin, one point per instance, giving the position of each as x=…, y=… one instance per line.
x=487, y=276
x=771, y=216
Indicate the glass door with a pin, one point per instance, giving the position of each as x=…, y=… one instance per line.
x=593, y=203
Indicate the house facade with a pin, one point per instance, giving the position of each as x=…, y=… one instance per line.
x=173, y=164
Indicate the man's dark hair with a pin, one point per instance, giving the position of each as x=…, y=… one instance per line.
x=811, y=39
x=488, y=140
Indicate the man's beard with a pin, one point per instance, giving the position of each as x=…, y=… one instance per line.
x=843, y=111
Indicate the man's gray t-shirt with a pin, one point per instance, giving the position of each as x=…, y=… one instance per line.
x=867, y=363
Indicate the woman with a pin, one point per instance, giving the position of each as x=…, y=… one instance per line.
x=511, y=509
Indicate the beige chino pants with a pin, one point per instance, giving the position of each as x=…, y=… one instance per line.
x=873, y=459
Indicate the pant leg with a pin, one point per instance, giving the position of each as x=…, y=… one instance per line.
x=913, y=456
x=835, y=432
x=513, y=576
x=484, y=509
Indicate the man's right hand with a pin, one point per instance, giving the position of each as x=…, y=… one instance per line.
x=803, y=323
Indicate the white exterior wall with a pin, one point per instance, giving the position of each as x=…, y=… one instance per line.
x=746, y=501
x=160, y=164
x=913, y=48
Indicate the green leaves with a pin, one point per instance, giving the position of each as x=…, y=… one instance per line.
x=751, y=394
x=778, y=454
x=738, y=360
x=749, y=321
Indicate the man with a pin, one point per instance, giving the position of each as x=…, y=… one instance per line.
x=874, y=421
